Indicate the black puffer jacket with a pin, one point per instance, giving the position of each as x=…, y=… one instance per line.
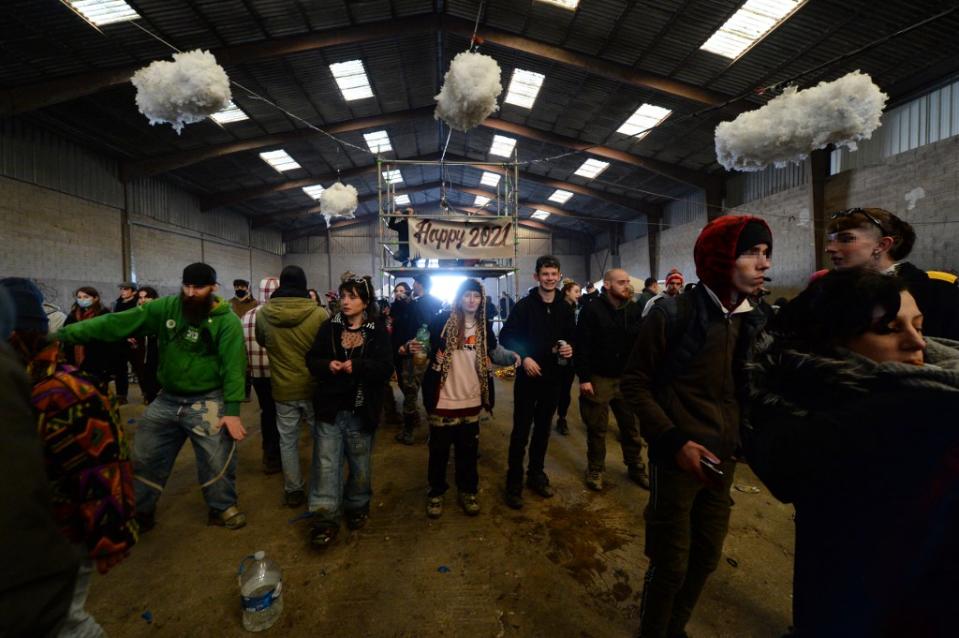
x=372, y=367
x=869, y=455
x=534, y=327
x=605, y=336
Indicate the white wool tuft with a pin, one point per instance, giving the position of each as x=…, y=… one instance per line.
x=187, y=90
x=339, y=200
x=469, y=93
x=796, y=123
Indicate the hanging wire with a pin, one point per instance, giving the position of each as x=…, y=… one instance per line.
x=475, y=41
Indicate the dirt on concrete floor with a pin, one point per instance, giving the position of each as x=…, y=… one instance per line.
x=570, y=566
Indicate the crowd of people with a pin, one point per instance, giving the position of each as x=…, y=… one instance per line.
x=839, y=400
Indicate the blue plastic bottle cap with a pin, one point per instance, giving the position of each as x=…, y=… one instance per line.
x=260, y=555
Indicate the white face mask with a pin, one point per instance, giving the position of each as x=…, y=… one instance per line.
x=85, y=303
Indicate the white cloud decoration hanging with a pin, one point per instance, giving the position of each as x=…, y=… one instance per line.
x=189, y=89
x=794, y=124
x=470, y=90
x=339, y=200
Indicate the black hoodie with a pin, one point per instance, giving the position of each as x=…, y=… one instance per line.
x=534, y=327
x=605, y=336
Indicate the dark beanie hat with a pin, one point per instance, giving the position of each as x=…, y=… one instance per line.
x=199, y=274
x=293, y=277
x=754, y=232
x=28, y=305
x=471, y=285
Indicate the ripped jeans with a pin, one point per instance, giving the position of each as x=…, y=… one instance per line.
x=165, y=426
x=344, y=439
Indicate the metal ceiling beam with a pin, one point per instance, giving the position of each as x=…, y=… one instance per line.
x=590, y=64
x=165, y=163
x=672, y=171
x=229, y=198
x=265, y=220
x=34, y=96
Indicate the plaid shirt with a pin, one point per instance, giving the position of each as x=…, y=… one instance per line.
x=258, y=363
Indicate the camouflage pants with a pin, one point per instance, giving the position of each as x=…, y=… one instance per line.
x=410, y=378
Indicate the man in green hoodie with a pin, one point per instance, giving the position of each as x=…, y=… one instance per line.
x=286, y=326
x=202, y=373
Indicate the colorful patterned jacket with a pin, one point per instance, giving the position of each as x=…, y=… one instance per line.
x=86, y=455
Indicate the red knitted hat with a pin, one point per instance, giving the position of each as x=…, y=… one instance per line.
x=674, y=275
x=716, y=251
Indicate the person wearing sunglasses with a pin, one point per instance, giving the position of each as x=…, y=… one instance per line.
x=876, y=239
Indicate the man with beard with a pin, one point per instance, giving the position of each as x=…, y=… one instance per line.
x=202, y=370
x=674, y=288
x=540, y=330
x=605, y=335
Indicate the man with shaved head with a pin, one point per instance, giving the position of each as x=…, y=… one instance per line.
x=604, y=336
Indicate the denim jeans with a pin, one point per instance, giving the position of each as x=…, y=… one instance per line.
x=79, y=623
x=165, y=426
x=288, y=417
x=344, y=439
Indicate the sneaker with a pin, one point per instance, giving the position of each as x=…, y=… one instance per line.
x=469, y=503
x=294, y=499
x=594, y=480
x=638, y=475
x=434, y=506
x=230, y=518
x=562, y=427
x=514, y=500
x=541, y=487
x=405, y=437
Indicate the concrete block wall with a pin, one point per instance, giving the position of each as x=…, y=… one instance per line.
x=61, y=241
x=676, y=248
x=634, y=257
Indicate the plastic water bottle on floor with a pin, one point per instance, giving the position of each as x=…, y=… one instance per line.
x=261, y=585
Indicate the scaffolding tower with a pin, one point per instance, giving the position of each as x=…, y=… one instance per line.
x=504, y=204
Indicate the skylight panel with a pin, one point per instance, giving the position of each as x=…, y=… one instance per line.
x=523, y=88
x=279, y=160
x=402, y=200
x=563, y=4
x=490, y=179
x=378, y=141
x=752, y=22
x=351, y=78
x=591, y=168
x=101, y=12
x=481, y=201
x=393, y=177
x=502, y=146
x=230, y=113
x=314, y=191
x=643, y=120
x=540, y=215
x=560, y=196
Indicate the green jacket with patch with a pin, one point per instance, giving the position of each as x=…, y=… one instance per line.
x=287, y=327
x=193, y=359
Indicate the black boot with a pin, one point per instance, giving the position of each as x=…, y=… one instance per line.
x=562, y=427
x=405, y=435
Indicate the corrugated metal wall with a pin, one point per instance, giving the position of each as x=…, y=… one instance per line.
x=925, y=120
x=690, y=208
x=746, y=187
x=33, y=155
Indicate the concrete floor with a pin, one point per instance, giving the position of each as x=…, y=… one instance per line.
x=571, y=566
